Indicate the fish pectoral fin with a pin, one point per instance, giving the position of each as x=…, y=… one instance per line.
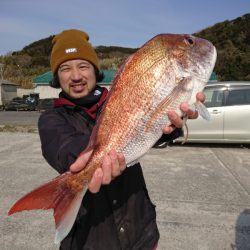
x=161, y=110
x=202, y=110
x=165, y=104
x=58, y=195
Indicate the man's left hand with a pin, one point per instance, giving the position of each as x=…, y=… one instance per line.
x=176, y=120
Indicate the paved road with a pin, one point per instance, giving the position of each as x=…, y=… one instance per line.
x=19, y=117
x=201, y=193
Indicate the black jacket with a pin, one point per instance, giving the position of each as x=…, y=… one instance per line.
x=120, y=215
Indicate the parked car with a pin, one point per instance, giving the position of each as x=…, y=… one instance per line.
x=44, y=104
x=229, y=106
x=18, y=103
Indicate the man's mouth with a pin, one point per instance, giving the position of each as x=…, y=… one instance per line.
x=79, y=87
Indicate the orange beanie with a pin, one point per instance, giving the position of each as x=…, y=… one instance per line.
x=71, y=44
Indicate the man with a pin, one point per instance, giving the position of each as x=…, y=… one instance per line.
x=116, y=212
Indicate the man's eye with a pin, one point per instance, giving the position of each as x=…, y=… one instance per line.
x=64, y=69
x=83, y=67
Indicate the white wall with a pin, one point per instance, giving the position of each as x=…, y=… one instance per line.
x=46, y=92
x=21, y=92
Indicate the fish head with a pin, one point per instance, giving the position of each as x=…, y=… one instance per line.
x=167, y=70
x=191, y=61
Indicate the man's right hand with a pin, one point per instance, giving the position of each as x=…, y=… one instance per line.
x=112, y=166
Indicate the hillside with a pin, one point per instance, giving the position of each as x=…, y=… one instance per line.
x=231, y=38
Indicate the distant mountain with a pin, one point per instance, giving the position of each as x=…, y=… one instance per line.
x=39, y=52
x=231, y=38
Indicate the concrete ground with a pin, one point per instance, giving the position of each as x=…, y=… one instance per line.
x=201, y=193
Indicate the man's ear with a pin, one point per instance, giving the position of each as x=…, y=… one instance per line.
x=54, y=83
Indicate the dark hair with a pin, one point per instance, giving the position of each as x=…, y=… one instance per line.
x=54, y=83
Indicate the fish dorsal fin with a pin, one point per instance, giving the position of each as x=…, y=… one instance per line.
x=120, y=70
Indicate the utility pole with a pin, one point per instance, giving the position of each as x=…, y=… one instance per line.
x=1, y=71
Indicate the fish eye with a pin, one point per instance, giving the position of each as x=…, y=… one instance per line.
x=189, y=41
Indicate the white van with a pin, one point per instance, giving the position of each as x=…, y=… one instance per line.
x=229, y=106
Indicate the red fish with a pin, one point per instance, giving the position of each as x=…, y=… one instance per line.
x=166, y=71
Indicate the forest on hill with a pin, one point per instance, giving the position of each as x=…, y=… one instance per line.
x=231, y=38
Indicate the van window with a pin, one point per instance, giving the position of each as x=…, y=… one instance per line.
x=247, y=93
x=214, y=97
x=238, y=97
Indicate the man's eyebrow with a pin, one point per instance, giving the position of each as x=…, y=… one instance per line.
x=63, y=65
x=86, y=63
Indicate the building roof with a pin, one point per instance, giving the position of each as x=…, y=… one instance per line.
x=45, y=78
x=108, y=75
x=7, y=82
x=213, y=77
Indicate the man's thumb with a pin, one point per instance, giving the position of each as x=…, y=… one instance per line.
x=81, y=161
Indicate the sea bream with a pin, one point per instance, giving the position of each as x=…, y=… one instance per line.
x=167, y=70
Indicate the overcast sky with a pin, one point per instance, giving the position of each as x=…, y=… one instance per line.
x=127, y=23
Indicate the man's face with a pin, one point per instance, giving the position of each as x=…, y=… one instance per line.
x=77, y=77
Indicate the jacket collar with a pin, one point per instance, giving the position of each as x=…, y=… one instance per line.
x=90, y=104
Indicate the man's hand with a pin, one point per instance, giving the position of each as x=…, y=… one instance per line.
x=176, y=121
x=112, y=166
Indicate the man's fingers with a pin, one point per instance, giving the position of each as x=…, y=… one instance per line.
x=168, y=129
x=200, y=96
x=112, y=166
x=191, y=114
x=96, y=181
x=175, y=119
x=116, y=171
x=122, y=161
x=80, y=162
x=106, y=167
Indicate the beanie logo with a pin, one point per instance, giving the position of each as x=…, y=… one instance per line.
x=70, y=50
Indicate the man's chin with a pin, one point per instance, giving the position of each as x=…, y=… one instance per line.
x=77, y=95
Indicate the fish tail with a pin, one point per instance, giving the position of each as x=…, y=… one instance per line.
x=58, y=195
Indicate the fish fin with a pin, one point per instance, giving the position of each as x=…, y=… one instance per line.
x=165, y=104
x=202, y=110
x=186, y=127
x=68, y=217
x=58, y=195
x=159, y=111
x=132, y=163
x=119, y=71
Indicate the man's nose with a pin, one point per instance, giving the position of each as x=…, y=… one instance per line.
x=75, y=75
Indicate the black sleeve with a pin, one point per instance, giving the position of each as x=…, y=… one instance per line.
x=61, y=141
x=166, y=138
x=174, y=135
